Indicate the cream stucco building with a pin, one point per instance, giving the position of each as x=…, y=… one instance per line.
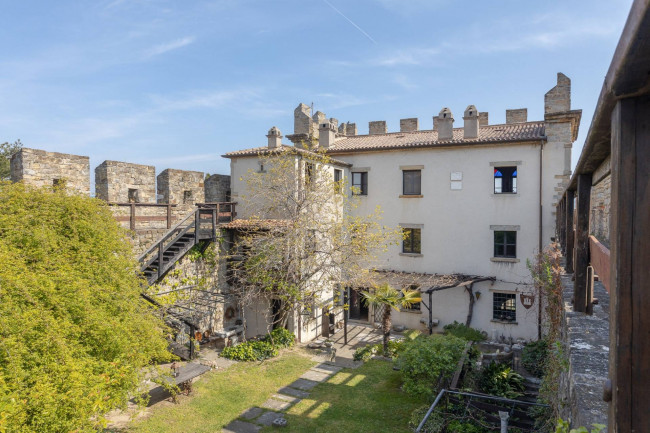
x=475, y=203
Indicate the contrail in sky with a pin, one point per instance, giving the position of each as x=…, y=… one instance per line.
x=350, y=21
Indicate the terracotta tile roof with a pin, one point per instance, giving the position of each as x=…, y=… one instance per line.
x=514, y=132
x=255, y=224
x=264, y=150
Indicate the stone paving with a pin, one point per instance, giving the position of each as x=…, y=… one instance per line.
x=253, y=419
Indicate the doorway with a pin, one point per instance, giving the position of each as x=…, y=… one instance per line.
x=358, y=309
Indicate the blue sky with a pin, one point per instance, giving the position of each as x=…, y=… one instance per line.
x=176, y=84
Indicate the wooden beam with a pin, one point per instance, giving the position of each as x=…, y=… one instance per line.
x=629, y=363
x=582, y=243
x=570, y=235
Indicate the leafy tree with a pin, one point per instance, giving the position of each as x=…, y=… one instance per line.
x=305, y=240
x=74, y=333
x=6, y=150
x=387, y=297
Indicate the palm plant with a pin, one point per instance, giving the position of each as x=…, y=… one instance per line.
x=387, y=297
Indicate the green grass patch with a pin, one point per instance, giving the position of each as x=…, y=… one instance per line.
x=366, y=399
x=221, y=396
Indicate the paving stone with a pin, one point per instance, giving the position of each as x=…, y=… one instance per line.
x=288, y=398
x=303, y=384
x=293, y=392
x=241, y=427
x=326, y=368
x=316, y=376
x=251, y=413
x=276, y=404
x=267, y=418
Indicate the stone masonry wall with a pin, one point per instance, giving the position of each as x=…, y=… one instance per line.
x=182, y=187
x=519, y=115
x=41, y=168
x=114, y=179
x=217, y=188
x=600, y=207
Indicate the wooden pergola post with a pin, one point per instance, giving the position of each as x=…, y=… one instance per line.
x=629, y=355
x=582, y=243
x=569, y=236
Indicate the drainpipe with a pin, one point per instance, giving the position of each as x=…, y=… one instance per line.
x=539, y=300
x=430, y=314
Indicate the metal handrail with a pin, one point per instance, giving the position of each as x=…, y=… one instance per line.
x=166, y=235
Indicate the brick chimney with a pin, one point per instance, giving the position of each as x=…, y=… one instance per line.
x=377, y=127
x=520, y=115
x=409, y=125
x=326, y=135
x=470, y=125
x=483, y=118
x=275, y=138
x=445, y=124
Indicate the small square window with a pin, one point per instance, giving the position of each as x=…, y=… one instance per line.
x=505, y=180
x=504, y=307
x=360, y=183
x=187, y=197
x=412, y=180
x=412, y=241
x=134, y=195
x=505, y=244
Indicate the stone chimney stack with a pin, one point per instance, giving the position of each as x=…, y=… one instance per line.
x=350, y=129
x=275, y=138
x=483, y=118
x=334, y=122
x=377, y=127
x=326, y=135
x=558, y=99
x=342, y=129
x=409, y=125
x=317, y=119
x=520, y=115
x=445, y=124
x=471, y=124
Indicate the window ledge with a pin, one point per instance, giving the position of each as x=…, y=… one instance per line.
x=410, y=311
x=510, y=194
x=504, y=259
x=410, y=196
x=411, y=254
x=504, y=322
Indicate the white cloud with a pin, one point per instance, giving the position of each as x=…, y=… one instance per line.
x=408, y=56
x=169, y=46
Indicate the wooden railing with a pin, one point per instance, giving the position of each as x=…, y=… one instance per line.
x=133, y=218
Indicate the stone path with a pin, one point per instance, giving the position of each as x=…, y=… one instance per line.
x=272, y=411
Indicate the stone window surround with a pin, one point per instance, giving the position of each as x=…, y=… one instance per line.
x=505, y=228
x=506, y=164
x=412, y=226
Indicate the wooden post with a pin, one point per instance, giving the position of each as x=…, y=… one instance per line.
x=629, y=354
x=132, y=219
x=215, y=215
x=169, y=216
x=562, y=223
x=570, y=235
x=197, y=224
x=582, y=243
x=160, y=259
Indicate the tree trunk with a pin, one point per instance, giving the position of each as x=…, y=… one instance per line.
x=386, y=328
x=470, y=313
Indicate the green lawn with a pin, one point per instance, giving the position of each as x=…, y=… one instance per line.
x=219, y=397
x=367, y=399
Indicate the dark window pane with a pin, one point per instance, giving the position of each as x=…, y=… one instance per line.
x=505, y=244
x=505, y=179
x=412, y=182
x=360, y=183
x=504, y=307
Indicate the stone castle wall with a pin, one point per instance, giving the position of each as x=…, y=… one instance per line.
x=217, y=188
x=124, y=182
x=185, y=188
x=40, y=168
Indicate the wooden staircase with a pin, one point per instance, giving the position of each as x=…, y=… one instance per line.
x=197, y=228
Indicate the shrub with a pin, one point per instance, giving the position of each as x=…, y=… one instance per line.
x=499, y=379
x=435, y=423
x=365, y=353
x=428, y=359
x=534, y=357
x=250, y=351
x=281, y=338
x=465, y=332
